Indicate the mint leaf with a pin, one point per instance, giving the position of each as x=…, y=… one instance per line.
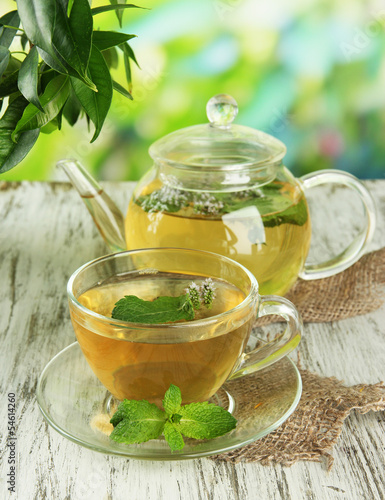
x=137, y=422
x=295, y=214
x=173, y=436
x=160, y=310
x=205, y=421
x=172, y=400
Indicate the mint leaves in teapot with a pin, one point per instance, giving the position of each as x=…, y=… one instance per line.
x=271, y=204
x=267, y=229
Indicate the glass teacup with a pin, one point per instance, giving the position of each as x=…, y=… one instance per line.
x=140, y=361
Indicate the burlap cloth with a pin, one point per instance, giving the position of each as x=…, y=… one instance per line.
x=313, y=429
x=358, y=290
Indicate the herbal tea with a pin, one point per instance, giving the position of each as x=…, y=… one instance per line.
x=145, y=370
x=265, y=229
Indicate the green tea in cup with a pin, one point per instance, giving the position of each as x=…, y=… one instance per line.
x=136, y=360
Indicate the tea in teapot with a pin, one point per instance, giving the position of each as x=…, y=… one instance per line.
x=266, y=229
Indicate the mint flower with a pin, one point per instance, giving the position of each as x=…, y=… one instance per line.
x=204, y=294
x=165, y=199
x=207, y=204
x=207, y=291
x=193, y=292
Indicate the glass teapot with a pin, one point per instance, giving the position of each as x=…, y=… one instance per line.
x=223, y=187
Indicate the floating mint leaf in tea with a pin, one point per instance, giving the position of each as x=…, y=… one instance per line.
x=140, y=421
x=161, y=310
x=165, y=309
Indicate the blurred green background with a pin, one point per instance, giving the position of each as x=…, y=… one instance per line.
x=310, y=73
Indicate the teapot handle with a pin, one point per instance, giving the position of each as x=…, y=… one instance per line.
x=356, y=248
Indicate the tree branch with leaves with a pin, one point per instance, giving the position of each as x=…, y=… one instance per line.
x=62, y=71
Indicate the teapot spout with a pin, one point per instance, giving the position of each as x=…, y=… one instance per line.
x=106, y=215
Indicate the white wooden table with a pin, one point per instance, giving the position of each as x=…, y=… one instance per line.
x=45, y=234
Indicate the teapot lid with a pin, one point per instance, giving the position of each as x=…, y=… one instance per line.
x=220, y=144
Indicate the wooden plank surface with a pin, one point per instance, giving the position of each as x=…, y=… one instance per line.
x=45, y=234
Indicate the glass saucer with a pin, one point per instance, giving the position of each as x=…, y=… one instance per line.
x=77, y=405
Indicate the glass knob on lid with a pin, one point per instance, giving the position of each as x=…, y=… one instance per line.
x=220, y=155
x=221, y=110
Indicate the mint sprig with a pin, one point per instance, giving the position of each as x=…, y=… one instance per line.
x=140, y=421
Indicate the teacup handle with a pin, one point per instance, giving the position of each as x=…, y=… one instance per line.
x=356, y=248
x=281, y=346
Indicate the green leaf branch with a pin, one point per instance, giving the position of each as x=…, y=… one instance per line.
x=139, y=421
x=65, y=70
